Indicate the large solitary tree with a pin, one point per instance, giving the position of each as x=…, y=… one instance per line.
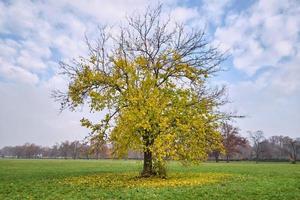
x=151, y=80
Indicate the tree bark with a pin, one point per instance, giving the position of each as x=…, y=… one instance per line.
x=216, y=154
x=147, y=169
x=294, y=154
x=97, y=155
x=148, y=160
x=257, y=153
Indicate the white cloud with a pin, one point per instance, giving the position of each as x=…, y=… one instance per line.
x=286, y=79
x=34, y=36
x=26, y=61
x=38, y=27
x=214, y=10
x=8, y=49
x=29, y=115
x=265, y=109
x=183, y=14
x=264, y=41
x=263, y=35
x=16, y=73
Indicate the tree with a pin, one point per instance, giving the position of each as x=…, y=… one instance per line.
x=231, y=140
x=277, y=146
x=65, y=149
x=266, y=150
x=216, y=154
x=97, y=146
x=291, y=145
x=151, y=80
x=256, y=138
x=85, y=150
x=244, y=152
x=74, y=147
x=55, y=151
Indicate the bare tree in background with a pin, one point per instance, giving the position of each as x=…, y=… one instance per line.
x=64, y=149
x=277, y=147
x=75, y=147
x=291, y=146
x=231, y=140
x=85, y=150
x=97, y=146
x=256, y=138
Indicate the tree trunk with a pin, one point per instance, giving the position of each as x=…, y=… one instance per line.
x=257, y=154
x=148, y=164
x=217, y=158
x=216, y=154
x=97, y=155
x=147, y=169
x=256, y=158
x=294, y=155
x=227, y=158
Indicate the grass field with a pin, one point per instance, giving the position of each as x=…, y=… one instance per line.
x=116, y=179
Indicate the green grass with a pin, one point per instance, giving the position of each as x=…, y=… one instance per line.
x=107, y=179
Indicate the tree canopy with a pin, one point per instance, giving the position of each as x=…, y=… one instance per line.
x=151, y=80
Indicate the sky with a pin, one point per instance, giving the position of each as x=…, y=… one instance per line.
x=262, y=72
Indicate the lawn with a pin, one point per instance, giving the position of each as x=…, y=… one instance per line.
x=117, y=179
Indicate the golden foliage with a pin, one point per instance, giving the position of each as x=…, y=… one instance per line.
x=130, y=180
x=150, y=110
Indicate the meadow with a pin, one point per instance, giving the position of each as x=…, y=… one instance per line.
x=118, y=179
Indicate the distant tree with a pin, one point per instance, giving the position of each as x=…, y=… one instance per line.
x=291, y=146
x=276, y=143
x=45, y=152
x=135, y=155
x=65, y=149
x=19, y=151
x=231, y=140
x=244, y=151
x=152, y=79
x=106, y=151
x=97, y=146
x=55, y=151
x=256, y=137
x=74, y=148
x=7, y=151
x=267, y=150
x=216, y=154
x=85, y=150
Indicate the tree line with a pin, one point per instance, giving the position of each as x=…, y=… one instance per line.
x=256, y=147
x=64, y=150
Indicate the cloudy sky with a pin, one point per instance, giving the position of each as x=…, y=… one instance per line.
x=263, y=71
